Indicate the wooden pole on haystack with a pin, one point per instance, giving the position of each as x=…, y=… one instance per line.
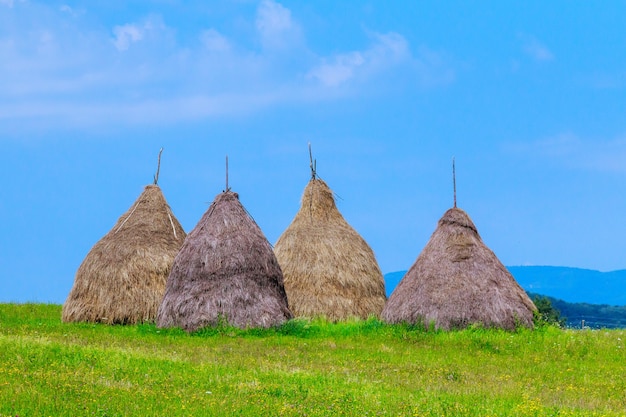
x=227, y=189
x=454, y=181
x=312, y=163
x=156, y=176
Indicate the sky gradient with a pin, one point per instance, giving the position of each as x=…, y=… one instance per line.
x=529, y=97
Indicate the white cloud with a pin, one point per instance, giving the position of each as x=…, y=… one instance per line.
x=130, y=33
x=535, y=49
x=386, y=50
x=214, y=41
x=389, y=48
x=125, y=35
x=339, y=70
x=70, y=11
x=275, y=25
x=62, y=70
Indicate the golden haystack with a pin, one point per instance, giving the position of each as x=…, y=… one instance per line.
x=457, y=281
x=225, y=272
x=122, y=278
x=329, y=269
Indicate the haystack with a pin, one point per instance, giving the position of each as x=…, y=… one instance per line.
x=457, y=281
x=226, y=272
x=329, y=269
x=122, y=278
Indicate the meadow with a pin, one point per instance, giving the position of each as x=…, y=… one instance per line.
x=304, y=368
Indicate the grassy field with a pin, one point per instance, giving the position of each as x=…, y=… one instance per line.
x=361, y=368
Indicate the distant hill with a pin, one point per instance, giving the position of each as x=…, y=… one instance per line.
x=573, y=285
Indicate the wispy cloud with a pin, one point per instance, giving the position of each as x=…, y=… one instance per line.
x=214, y=41
x=154, y=111
x=62, y=68
x=71, y=11
x=338, y=69
x=535, y=48
x=125, y=35
x=386, y=51
x=433, y=68
x=560, y=146
x=275, y=25
x=130, y=33
x=606, y=81
x=573, y=152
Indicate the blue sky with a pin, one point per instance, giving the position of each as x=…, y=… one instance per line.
x=529, y=97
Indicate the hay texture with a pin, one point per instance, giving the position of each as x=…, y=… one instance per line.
x=457, y=281
x=329, y=269
x=225, y=273
x=122, y=278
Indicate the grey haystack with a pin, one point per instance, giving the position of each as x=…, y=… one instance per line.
x=457, y=281
x=226, y=272
x=122, y=278
x=329, y=269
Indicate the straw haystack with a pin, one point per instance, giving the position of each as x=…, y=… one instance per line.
x=122, y=279
x=329, y=269
x=457, y=281
x=225, y=272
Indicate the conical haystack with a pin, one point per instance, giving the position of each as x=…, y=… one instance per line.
x=122, y=278
x=457, y=281
x=225, y=272
x=329, y=269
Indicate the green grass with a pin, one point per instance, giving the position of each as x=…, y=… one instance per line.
x=316, y=368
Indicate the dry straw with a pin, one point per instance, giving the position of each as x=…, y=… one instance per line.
x=329, y=269
x=122, y=278
x=457, y=281
x=225, y=272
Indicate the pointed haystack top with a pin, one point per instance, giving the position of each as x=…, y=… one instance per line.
x=456, y=217
x=329, y=269
x=456, y=281
x=318, y=203
x=225, y=271
x=122, y=278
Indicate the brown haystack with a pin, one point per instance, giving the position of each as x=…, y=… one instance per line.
x=457, y=281
x=329, y=269
x=122, y=278
x=225, y=272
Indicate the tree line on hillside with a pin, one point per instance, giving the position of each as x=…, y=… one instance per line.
x=578, y=315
